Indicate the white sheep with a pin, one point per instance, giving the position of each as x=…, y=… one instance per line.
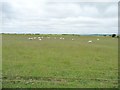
x=90, y=41
x=60, y=37
x=40, y=39
x=34, y=37
x=30, y=38
x=98, y=39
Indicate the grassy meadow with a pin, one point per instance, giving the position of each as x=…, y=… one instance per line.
x=58, y=63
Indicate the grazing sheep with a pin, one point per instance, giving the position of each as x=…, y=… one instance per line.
x=30, y=38
x=34, y=37
x=40, y=39
x=72, y=39
x=90, y=41
x=98, y=39
x=60, y=37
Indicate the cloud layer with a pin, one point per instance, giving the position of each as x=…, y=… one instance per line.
x=43, y=16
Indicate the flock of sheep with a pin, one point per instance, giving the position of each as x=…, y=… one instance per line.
x=40, y=38
x=90, y=41
x=61, y=38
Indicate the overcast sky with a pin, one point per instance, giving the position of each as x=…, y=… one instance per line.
x=55, y=16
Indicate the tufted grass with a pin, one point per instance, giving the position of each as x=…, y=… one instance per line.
x=55, y=63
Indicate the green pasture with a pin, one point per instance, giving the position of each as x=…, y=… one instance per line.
x=56, y=63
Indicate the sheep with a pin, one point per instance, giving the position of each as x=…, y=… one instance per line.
x=34, y=37
x=60, y=37
x=30, y=38
x=40, y=39
x=72, y=39
x=90, y=41
x=98, y=39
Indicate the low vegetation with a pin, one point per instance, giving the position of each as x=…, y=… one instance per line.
x=58, y=63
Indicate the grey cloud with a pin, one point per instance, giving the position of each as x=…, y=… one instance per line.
x=8, y=11
x=60, y=17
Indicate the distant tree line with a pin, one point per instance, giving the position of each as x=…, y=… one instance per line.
x=72, y=34
x=114, y=35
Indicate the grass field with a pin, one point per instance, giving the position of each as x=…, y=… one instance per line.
x=55, y=63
